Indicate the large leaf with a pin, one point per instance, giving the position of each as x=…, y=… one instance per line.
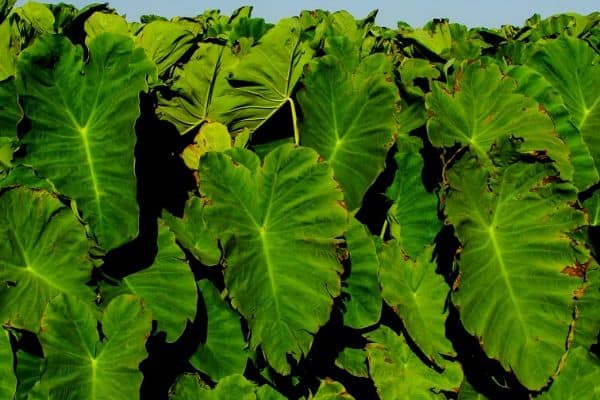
x=263, y=81
x=223, y=352
x=43, y=252
x=418, y=295
x=168, y=274
x=514, y=227
x=282, y=220
x=363, y=308
x=413, y=214
x=8, y=383
x=82, y=120
x=349, y=120
x=572, y=68
x=483, y=108
x=398, y=373
x=194, y=95
x=578, y=378
x=82, y=364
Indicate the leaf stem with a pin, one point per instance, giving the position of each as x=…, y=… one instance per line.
x=383, y=229
x=294, y=122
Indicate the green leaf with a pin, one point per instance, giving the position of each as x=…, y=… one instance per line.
x=263, y=81
x=194, y=95
x=282, y=220
x=86, y=363
x=592, y=206
x=467, y=392
x=331, y=390
x=418, y=295
x=37, y=266
x=165, y=43
x=75, y=139
x=29, y=369
x=514, y=225
x=587, y=325
x=8, y=51
x=535, y=85
x=168, y=274
x=354, y=361
x=399, y=374
x=8, y=383
x=578, y=378
x=100, y=22
x=188, y=387
x=212, y=136
x=222, y=353
x=193, y=234
x=10, y=114
x=483, y=108
x=5, y=7
x=349, y=120
x=414, y=212
x=363, y=309
x=571, y=66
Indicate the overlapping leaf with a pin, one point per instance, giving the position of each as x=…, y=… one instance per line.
x=414, y=210
x=571, y=66
x=514, y=225
x=483, y=108
x=82, y=120
x=398, y=373
x=165, y=42
x=155, y=285
x=263, y=81
x=234, y=386
x=282, y=220
x=86, y=363
x=193, y=234
x=194, y=96
x=43, y=253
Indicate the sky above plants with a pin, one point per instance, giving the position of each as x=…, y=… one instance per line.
x=415, y=12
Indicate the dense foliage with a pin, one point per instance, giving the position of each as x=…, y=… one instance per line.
x=218, y=207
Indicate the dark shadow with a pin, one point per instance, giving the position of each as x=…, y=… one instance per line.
x=485, y=374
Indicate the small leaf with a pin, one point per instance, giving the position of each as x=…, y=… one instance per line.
x=399, y=374
x=223, y=352
x=363, y=308
x=418, y=295
x=8, y=382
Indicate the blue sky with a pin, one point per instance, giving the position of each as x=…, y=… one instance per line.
x=489, y=13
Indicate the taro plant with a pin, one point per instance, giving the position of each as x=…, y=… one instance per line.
x=220, y=207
